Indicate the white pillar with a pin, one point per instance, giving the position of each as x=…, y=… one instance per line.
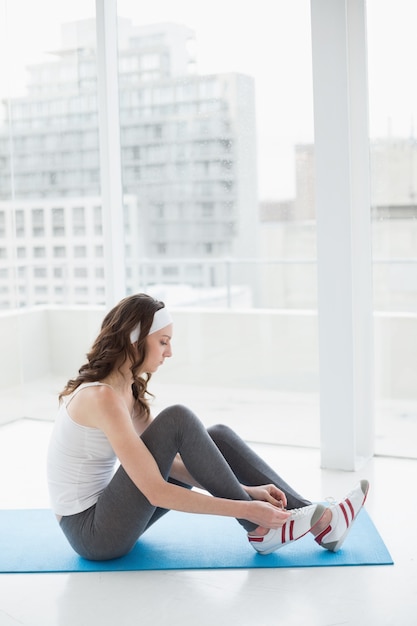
x=342, y=178
x=110, y=153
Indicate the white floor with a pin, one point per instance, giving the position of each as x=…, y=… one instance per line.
x=375, y=595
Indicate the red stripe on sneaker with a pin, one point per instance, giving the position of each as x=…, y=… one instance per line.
x=319, y=538
x=344, y=514
x=255, y=539
x=352, y=510
x=283, y=533
x=292, y=530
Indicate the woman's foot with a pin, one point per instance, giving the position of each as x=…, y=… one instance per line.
x=343, y=514
x=300, y=522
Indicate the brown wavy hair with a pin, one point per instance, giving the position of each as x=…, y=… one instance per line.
x=112, y=347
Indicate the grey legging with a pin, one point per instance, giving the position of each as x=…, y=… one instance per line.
x=217, y=458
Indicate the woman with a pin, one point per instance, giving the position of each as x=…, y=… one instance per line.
x=104, y=417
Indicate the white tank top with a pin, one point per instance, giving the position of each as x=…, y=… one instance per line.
x=80, y=462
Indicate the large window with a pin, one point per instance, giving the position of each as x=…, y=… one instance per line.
x=49, y=165
x=217, y=168
x=392, y=49
x=213, y=116
x=216, y=108
x=48, y=108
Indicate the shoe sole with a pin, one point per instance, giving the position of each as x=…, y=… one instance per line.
x=334, y=546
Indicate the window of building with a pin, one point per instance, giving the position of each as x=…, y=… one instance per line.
x=59, y=251
x=207, y=209
x=80, y=251
x=170, y=271
x=149, y=62
x=78, y=221
x=97, y=219
x=38, y=217
x=20, y=222
x=58, y=222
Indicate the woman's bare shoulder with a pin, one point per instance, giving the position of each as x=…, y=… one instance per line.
x=94, y=405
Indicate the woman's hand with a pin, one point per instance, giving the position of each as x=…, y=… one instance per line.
x=266, y=515
x=267, y=493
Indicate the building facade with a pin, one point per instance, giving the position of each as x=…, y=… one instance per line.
x=188, y=149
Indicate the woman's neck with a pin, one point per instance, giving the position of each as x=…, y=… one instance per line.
x=120, y=380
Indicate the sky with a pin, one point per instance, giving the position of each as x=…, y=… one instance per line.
x=267, y=39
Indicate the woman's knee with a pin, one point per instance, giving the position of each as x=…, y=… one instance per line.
x=221, y=432
x=174, y=409
x=179, y=413
x=181, y=420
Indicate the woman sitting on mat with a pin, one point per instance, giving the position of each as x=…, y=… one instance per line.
x=104, y=417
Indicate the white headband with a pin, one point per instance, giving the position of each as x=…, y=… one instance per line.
x=161, y=318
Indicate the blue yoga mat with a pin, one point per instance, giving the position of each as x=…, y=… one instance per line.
x=31, y=541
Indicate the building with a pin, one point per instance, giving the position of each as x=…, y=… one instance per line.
x=393, y=175
x=51, y=251
x=291, y=235
x=188, y=155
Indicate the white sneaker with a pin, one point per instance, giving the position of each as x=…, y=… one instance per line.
x=344, y=514
x=297, y=525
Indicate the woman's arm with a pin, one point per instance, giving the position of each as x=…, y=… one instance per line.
x=267, y=493
x=144, y=472
x=112, y=416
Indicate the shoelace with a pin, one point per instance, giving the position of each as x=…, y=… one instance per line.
x=298, y=512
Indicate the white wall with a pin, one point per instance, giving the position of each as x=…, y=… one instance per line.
x=256, y=349
x=24, y=346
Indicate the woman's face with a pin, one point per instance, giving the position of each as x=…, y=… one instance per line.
x=158, y=348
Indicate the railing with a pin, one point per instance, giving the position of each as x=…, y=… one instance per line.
x=248, y=367
x=268, y=349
